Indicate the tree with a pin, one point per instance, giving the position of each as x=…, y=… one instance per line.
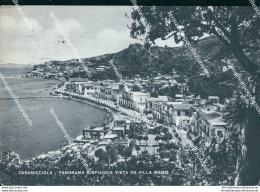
x=157, y=138
x=137, y=147
x=165, y=130
x=127, y=152
x=112, y=153
x=164, y=154
x=100, y=153
x=9, y=165
x=236, y=27
x=139, y=138
x=172, y=155
x=167, y=137
x=120, y=149
x=169, y=91
x=146, y=139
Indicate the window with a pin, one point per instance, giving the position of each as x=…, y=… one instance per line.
x=178, y=113
x=220, y=134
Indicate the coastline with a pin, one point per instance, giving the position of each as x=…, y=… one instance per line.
x=88, y=101
x=40, y=94
x=108, y=118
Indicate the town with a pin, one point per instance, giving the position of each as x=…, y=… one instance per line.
x=131, y=96
x=151, y=120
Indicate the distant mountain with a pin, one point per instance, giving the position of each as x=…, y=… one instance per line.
x=136, y=60
x=162, y=60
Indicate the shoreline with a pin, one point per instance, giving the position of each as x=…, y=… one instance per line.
x=45, y=94
x=108, y=118
x=80, y=98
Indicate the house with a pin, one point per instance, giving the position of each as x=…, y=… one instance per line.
x=95, y=133
x=188, y=101
x=149, y=101
x=101, y=68
x=173, y=82
x=105, y=142
x=134, y=100
x=51, y=76
x=179, y=96
x=166, y=116
x=214, y=100
x=78, y=80
x=167, y=112
x=197, y=100
x=156, y=109
x=178, y=111
x=110, y=91
x=160, y=80
x=122, y=122
x=88, y=88
x=119, y=131
x=122, y=142
x=186, y=122
x=183, y=87
x=209, y=124
x=111, y=136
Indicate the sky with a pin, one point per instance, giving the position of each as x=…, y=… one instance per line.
x=92, y=30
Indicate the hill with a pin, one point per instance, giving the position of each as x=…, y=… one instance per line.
x=136, y=60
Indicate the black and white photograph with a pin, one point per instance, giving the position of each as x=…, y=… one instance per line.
x=130, y=95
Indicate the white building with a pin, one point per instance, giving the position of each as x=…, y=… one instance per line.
x=133, y=100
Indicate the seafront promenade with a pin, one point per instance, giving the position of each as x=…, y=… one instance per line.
x=106, y=104
x=110, y=106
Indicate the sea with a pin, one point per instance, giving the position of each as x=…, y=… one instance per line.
x=34, y=96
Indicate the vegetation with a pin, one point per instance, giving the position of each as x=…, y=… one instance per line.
x=11, y=165
x=237, y=28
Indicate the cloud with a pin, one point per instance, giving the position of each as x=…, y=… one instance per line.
x=44, y=41
x=110, y=41
x=10, y=25
x=72, y=26
x=22, y=26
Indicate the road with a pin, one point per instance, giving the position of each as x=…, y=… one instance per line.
x=134, y=115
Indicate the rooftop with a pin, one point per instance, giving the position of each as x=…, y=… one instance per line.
x=213, y=97
x=182, y=106
x=110, y=136
x=113, y=85
x=179, y=95
x=139, y=93
x=96, y=129
x=219, y=123
x=174, y=103
x=160, y=98
x=119, y=129
x=104, y=142
x=211, y=116
x=120, y=141
x=78, y=79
